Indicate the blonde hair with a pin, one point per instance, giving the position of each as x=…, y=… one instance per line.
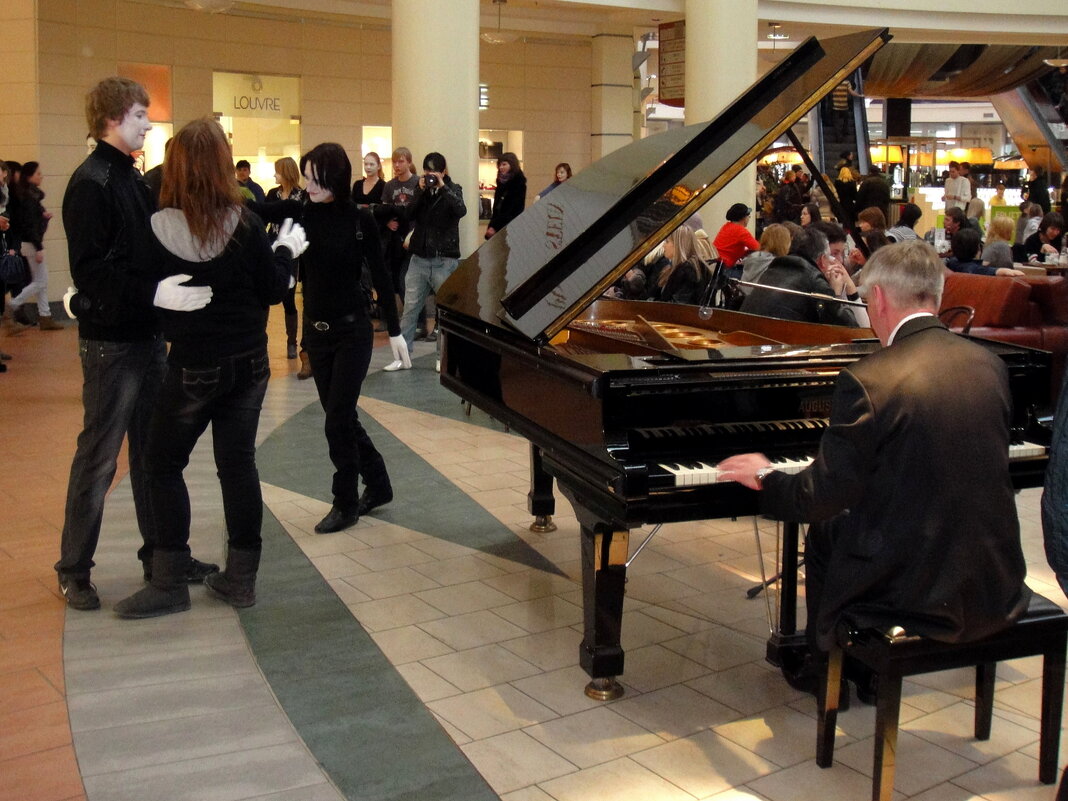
x=1001, y=227
x=775, y=239
x=287, y=168
x=685, y=243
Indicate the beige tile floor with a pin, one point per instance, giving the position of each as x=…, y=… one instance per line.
x=487, y=644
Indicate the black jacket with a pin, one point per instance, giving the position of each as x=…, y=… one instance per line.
x=246, y=277
x=509, y=198
x=930, y=540
x=29, y=222
x=435, y=216
x=106, y=210
x=796, y=273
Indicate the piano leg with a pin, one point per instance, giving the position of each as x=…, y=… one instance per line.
x=786, y=648
x=540, y=500
x=604, y=577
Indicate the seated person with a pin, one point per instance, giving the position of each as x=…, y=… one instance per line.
x=799, y=271
x=1047, y=240
x=685, y=277
x=905, y=231
x=774, y=242
x=966, y=248
x=997, y=252
x=734, y=240
x=951, y=567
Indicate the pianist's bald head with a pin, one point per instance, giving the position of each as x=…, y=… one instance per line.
x=910, y=274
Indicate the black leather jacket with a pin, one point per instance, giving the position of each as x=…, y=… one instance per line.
x=435, y=215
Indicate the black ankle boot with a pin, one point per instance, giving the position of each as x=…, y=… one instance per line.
x=336, y=520
x=373, y=498
x=237, y=584
x=166, y=594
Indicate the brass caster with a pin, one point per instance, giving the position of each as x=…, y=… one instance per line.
x=604, y=689
x=543, y=524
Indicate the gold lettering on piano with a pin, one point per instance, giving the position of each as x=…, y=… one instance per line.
x=816, y=407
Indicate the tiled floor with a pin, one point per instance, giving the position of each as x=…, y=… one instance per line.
x=431, y=650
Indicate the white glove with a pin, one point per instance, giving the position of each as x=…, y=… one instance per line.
x=292, y=237
x=400, y=351
x=170, y=294
x=70, y=293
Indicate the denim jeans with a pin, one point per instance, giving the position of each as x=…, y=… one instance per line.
x=339, y=360
x=424, y=275
x=229, y=395
x=120, y=383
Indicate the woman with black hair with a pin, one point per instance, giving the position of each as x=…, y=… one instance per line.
x=510, y=196
x=31, y=222
x=905, y=230
x=338, y=333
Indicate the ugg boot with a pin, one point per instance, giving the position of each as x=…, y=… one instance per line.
x=305, y=366
x=291, y=335
x=237, y=584
x=166, y=594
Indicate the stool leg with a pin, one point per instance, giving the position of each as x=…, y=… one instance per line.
x=1062, y=789
x=828, y=709
x=888, y=707
x=984, y=699
x=1052, y=705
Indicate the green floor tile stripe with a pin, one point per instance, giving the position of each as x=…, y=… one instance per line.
x=359, y=718
x=420, y=389
x=295, y=457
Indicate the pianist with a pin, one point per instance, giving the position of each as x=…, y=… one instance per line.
x=912, y=511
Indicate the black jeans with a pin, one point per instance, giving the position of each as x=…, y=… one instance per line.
x=339, y=359
x=228, y=395
x=120, y=384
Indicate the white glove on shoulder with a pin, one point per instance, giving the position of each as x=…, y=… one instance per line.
x=292, y=237
x=400, y=351
x=67, y=296
x=170, y=294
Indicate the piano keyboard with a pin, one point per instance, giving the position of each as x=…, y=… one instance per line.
x=694, y=474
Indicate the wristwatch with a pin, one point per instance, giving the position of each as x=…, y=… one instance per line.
x=763, y=473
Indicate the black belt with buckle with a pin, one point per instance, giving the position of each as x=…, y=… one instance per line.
x=324, y=325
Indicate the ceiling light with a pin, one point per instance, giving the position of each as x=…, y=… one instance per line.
x=498, y=36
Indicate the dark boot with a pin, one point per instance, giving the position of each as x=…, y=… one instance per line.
x=336, y=520
x=291, y=335
x=166, y=594
x=372, y=498
x=195, y=571
x=237, y=584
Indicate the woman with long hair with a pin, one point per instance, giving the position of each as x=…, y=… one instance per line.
x=510, y=196
x=997, y=251
x=217, y=366
x=367, y=191
x=31, y=222
x=685, y=277
x=338, y=333
x=288, y=177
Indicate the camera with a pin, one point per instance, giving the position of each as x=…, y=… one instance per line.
x=431, y=180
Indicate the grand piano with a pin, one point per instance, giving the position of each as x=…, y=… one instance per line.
x=629, y=405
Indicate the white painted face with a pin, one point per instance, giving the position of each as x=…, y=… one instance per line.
x=132, y=128
x=371, y=167
x=316, y=193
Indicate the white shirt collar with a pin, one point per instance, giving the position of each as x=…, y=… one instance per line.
x=904, y=320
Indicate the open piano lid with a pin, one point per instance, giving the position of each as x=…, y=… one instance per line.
x=560, y=254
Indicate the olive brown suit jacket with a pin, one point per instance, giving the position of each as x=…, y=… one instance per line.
x=913, y=476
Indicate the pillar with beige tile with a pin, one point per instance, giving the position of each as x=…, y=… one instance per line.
x=435, y=91
x=612, y=92
x=721, y=63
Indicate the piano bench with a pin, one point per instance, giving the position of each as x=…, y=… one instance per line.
x=893, y=654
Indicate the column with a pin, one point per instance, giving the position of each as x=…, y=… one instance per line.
x=612, y=89
x=435, y=92
x=721, y=63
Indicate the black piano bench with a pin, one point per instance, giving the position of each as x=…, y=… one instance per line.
x=893, y=654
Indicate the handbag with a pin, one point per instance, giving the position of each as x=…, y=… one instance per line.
x=13, y=268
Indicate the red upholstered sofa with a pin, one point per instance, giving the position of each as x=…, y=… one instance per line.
x=1031, y=311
